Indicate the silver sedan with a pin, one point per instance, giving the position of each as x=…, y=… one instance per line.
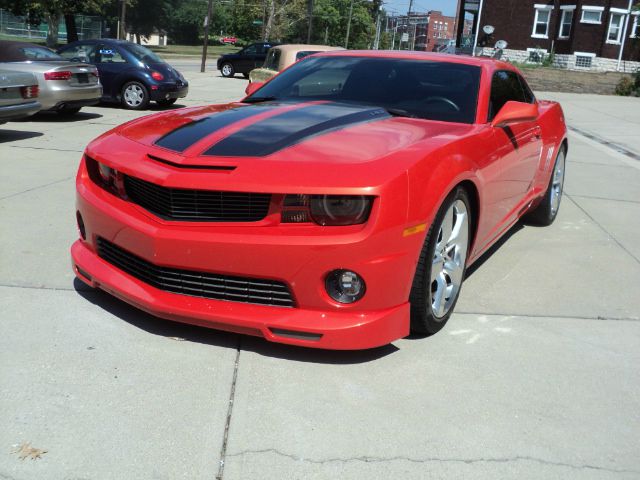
x=65, y=87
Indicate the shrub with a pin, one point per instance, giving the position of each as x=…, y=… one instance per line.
x=629, y=86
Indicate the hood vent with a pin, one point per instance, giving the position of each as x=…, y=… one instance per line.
x=228, y=168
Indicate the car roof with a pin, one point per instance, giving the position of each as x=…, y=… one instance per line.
x=10, y=50
x=483, y=62
x=305, y=47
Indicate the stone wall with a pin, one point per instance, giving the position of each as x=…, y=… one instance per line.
x=559, y=80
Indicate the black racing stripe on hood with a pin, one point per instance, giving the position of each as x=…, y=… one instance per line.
x=183, y=137
x=281, y=131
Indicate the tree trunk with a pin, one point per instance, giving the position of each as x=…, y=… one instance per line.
x=72, y=31
x=270, y=19
x=53, y=21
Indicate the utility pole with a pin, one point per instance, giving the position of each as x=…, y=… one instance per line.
x=122, y=34
x=346, y=40
x=376, y=41
x=207, y=22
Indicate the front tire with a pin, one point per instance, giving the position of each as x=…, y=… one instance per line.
x=135, y=96
x=441, y=266
x=547, y=210
x=227, y=70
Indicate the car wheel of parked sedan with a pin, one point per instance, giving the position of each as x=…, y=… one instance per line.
x=441, y=266
x=135, y=96
x=547, y=211
x=245, y=75
x=227, y=70
x=68, y=111
x=166, y=103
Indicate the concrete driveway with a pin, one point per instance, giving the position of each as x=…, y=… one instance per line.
x=535, y=376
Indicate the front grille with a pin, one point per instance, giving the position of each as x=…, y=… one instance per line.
x=197, y=284
x=197, y=205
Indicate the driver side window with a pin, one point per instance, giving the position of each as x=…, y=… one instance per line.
x=250, y=50
x=505, y=87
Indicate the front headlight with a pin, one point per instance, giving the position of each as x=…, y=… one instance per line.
x=327, y=210
x=106, y=177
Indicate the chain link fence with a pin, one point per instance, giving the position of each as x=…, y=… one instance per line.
x=18, y=27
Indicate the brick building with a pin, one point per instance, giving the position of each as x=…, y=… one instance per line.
x=581, y=34
x=428, y=31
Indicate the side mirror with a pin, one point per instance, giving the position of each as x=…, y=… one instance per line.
x=515, y=112
x=252, y=87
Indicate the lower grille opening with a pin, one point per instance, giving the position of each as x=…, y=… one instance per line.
x=195, y=283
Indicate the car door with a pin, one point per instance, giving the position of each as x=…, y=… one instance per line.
x=518, y=146
x=111, y=64
x=247, y=59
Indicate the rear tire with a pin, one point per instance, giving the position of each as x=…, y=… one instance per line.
x=547, y=210
x=227, y=70
x=441, y=266
x=135, y=96
x=166, y=103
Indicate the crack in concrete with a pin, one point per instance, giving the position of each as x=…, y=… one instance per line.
x=89, y=290
x=232, y=395
x=399, y=458
x=606, y=199
x=602, y=228
x=614, y=146
x=37, y=188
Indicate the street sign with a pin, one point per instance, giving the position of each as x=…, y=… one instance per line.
x=404, y=37
x=257, y=22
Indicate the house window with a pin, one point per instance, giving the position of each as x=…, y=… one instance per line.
x=615, y=28
x=591, y=14
x=541, y=21
x=635, y=31
x=584, y=60
x=565, y=23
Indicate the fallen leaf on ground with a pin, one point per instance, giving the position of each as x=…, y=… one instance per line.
x=27, y=451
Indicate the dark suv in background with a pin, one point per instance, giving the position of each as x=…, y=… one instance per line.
x=130, y=73
x=250, y=57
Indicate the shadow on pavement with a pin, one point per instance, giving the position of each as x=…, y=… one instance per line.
x=494, y=248
x=152, y=324
x=218, y=338
x=15, y=135
x=53, y=117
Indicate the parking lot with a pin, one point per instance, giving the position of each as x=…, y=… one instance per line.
x=536, y=376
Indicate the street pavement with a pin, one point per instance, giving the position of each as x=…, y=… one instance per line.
x=535, y=376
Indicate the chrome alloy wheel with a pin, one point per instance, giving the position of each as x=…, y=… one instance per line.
x=557, y=183
x=449, y=257
x=133, y=95
x=226, y=70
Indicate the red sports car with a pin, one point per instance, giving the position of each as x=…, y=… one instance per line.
x=337, y=206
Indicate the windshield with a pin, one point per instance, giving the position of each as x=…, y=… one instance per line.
x=417, y=88
x=144, y=54
x=40, y=53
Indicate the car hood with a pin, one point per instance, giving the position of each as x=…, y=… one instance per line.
x=339, y=143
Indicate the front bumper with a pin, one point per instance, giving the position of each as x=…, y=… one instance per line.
x=299, y=256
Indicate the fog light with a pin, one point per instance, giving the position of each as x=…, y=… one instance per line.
x=345, y=286
x=81, y=228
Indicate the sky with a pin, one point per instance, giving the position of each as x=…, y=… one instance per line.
x=447, y=7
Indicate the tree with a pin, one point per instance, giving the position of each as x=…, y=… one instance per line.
x=52, y=11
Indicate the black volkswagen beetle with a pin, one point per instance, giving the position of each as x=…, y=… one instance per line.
x=130, y=73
